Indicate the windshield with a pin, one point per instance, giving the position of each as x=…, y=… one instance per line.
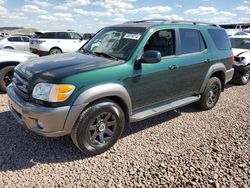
x=243, y=43
x=118, y=42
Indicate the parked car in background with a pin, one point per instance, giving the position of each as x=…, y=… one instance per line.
x=8, y=60
x=15, y=43
x=241, y=50
x=235, y=32
x=56, y=42
x=95, y=92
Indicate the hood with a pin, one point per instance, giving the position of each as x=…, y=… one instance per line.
x=16, y=53
x=238, y=51
x=54, y=68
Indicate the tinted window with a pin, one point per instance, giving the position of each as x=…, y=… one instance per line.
x=51, y=35
x=62, y=35
x=25, y=39
x=220, y=39
x=15, y=39
x=162, y=41
x=191, y=41
x=243, y=43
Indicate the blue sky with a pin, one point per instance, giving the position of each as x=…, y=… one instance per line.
x=92, y=15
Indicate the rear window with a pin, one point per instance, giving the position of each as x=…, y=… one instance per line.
x=191, y=41
x=220, y=39
x=49, y=35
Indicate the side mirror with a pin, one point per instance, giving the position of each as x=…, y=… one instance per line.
x=151, y=56
x=87, y=36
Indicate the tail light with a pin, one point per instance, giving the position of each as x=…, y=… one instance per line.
x=232, y=59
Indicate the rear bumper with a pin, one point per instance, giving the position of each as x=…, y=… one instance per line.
x=229, y=75
x=41, y=120
x=240, y=70
x=38, y=52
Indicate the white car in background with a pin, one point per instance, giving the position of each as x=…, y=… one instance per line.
x=241, y=51
x=56, y=42
x=8, y=60
x=15, y=43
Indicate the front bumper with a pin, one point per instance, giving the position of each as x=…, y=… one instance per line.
x=229, y=75
x=45, y=121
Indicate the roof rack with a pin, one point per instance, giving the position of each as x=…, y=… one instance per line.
x=162, y=21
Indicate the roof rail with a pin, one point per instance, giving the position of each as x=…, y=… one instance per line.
x=162, y=21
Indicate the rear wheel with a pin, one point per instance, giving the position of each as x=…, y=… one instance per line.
x=244, y=79
x=55, y=51
x=211, y=94
x=6, y=75
x=98, y=127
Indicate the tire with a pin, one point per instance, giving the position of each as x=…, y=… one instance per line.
x=6, y=75
x=243, y=80
x=211, y=95
x=55, y=51
x=98, y=127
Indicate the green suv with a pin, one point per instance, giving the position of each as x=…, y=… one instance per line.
x=125, y=73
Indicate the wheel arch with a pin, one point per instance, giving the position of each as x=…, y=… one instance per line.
x=8, y=63
x=55, y=47
x=218, y=70
x=112, y=91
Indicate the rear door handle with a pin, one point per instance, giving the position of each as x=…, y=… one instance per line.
x=172, y=67
x=206, y=61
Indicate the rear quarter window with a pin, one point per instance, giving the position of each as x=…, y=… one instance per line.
x=220, y=39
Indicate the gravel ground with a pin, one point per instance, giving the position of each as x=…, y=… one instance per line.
x=182, y=148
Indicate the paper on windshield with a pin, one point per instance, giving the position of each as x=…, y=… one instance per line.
x=132, y=36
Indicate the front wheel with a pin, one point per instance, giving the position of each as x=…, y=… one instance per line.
x=98, y=127
x=6, y=75
x=211, y=94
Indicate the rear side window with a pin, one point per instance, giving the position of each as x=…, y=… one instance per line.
x=191, y=41
x=62, y=35
x=220, y=39
x=50, y=35
x=25, y=39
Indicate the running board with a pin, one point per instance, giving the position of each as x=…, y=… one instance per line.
x=156, y=110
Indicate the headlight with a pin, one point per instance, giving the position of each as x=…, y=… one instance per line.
x=52, y=92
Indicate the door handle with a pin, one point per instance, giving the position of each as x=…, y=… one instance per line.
x=206, y=61
x=172, y=67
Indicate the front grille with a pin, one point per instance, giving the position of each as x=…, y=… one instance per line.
x=21, y=85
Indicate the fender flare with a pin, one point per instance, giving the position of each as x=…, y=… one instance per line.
x=102, y=91
x=217, y=67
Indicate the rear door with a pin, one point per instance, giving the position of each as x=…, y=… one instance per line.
x=192, y=62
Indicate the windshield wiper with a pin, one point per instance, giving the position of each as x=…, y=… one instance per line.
x=106, y=55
